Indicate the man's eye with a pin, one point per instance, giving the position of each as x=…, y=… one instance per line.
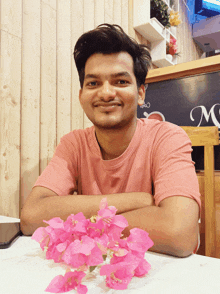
x=92, y=84
x=122, y=82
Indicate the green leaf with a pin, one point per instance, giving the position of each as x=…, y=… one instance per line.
x=91, y=268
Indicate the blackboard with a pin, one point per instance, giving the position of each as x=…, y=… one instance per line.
x=187, y=101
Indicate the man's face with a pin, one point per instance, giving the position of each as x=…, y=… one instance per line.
x=109, y=95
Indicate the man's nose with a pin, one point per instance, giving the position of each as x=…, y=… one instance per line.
x=107, y=91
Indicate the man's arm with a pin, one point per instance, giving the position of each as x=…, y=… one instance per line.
x=44, y=204
x=173, y=225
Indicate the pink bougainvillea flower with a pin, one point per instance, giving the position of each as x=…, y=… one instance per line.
x=102, y=243
x=83, y=252
x=119, y=280
x=115, y=228
x=42, y=237
x=139, y=240
x=113, y=225
x=71, y=280
x=76, y=222
x=56, y=251
x=55, y=223
x=119, y=274
x=74, y=227
x=75, y=260
x=105, y=211
x=95, y=257
x=126, y=258
x=142, y=268
x=84, y=246
x=140, y=265
x=95, y=230
x=115, y=247
x=82, y=243
x=54, y=234
x=77, y=251
x=53, y=253
x=120, y=252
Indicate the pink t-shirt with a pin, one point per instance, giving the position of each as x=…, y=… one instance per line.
x=159, y=153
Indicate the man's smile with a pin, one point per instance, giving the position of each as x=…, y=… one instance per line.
x=107, y=106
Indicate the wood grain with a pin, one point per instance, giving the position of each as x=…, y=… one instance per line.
x=48, y=84
x=30, y=95
x=10, y=89
x=64, y=58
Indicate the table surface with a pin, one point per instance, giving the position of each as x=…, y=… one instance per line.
x=24, y=270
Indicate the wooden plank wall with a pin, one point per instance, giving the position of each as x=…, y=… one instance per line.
x=39, y=83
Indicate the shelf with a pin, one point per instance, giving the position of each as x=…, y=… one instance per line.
x=162, y=62
x=152, y=30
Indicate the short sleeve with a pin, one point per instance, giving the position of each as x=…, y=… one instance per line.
x=60, y=175
x=173, y=170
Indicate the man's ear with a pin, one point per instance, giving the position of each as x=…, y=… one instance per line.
x=80, y=93
x=141, y=95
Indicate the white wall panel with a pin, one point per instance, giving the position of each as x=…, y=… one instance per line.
x=64, y=59
x=48, y=85
x=77, y=31
x=10, y=89
x=30, y=94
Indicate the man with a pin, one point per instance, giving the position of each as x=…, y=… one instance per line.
x=120, y=157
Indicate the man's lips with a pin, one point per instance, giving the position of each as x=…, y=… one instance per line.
x=106, y=104
x=107, y=107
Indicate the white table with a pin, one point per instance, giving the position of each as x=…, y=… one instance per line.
x=25, y=270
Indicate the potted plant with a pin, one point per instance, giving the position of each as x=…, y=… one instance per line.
x=171, y=49
x=159, y=10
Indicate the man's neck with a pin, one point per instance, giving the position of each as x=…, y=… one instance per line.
x=113, y=142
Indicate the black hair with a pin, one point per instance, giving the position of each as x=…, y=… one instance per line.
x=109, y=39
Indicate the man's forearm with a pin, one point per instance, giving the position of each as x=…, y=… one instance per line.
x=48, y=207
x=162, y=230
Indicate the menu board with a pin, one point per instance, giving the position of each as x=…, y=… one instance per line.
x=188, y=101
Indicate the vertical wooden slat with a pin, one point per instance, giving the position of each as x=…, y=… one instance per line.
x=77, y=30
x=124, y=15
x=51, y=3
x=30, y=96
x=117, y=12
x=131, y=30
x=64, y=57
x=99, y=12
x=88, y=24
x=108, y=11
x=10, y=87
x=48, y=83
x=88, y=15
x=210, y=225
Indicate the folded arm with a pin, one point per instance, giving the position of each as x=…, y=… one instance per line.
x=173, y=225
x=44, y=204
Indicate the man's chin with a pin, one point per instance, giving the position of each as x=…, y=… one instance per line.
x=109, y=124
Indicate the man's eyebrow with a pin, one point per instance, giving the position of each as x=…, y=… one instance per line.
x=120, y=74
x=115, y=75
x=91, y=76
